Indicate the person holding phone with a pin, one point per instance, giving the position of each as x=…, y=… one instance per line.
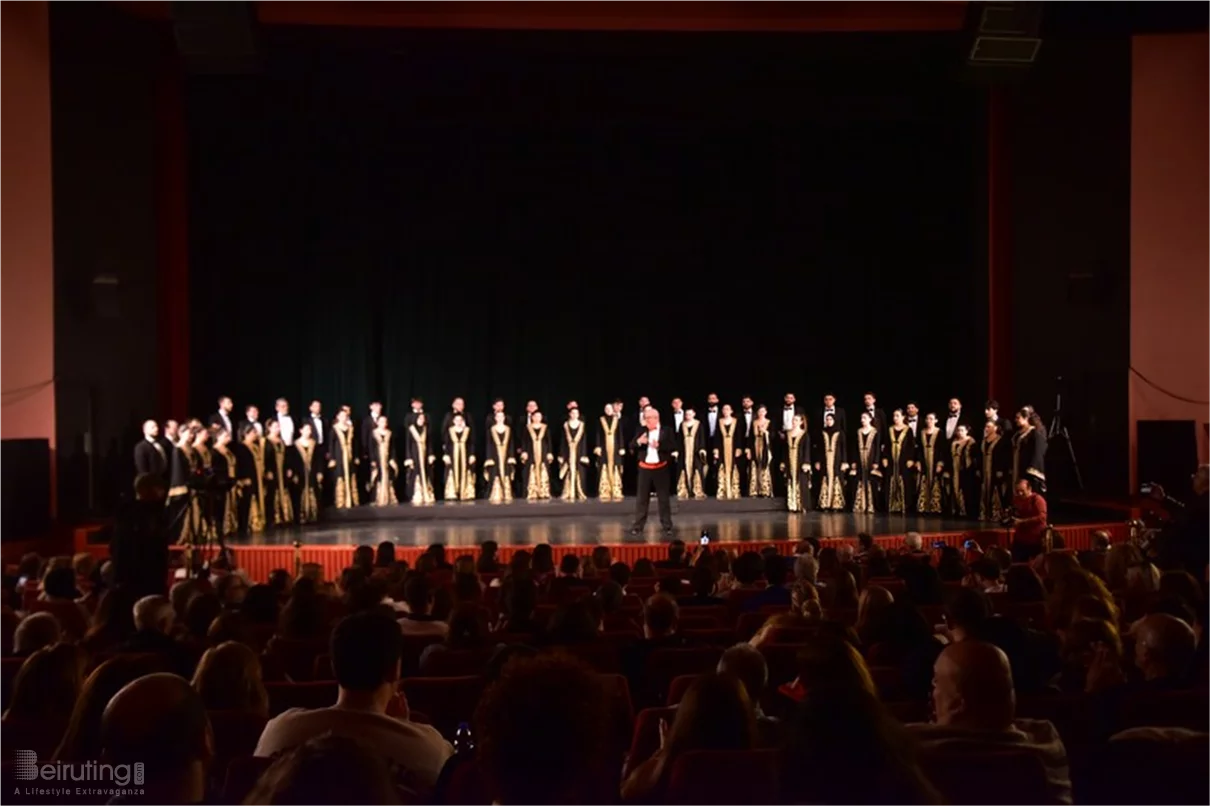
x=654, y=445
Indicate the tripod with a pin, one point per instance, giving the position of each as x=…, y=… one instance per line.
x=1058, y=430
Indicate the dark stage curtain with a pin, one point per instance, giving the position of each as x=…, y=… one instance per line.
x=581, y=216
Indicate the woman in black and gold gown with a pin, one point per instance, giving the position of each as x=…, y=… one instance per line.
x=692, y=467
x=1029, y=449
x=609, y=450
x=898, y=461
x=458, y=454
x=279, y=509
x=867, y=469
x=832, y=467
x=994, y=467
x=960, y=468
x=308, y=475
x=180, y=474
x=343, y=461
x=501, y=461
x=250, y=472
x=728, y=452
x=797, y=467
x=535, y=459
x=930, y=456
x=419, y=461
x=223, y=459
x=205, y=513
x=384, y=469
x=573, y=456
x=760, y=455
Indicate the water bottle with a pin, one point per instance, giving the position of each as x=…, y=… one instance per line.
x=464, y=742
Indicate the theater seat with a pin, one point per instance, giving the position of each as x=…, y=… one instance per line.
x=1147, y=770
x=71, y=617
x=724, y=776
x=987, y=778
x=665, y=664
x=8, y=674
x=446, y=700
x=679, y=685
x=295, y=658
x=236, y=734
x=242, y=774
x=646, y=738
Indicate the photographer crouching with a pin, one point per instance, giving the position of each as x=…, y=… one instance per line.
x=1028, y=522
x=1182, y=542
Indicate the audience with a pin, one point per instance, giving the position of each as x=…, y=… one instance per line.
x=327, y=769
x=37, y=630
x=676, y=556
x=228, y=678
x=702, y=585
x=419, y=619
x=746, y=663
x=366, y=651
x=82, y=739
x=154, y=621
x=487, y=562
x=776, y=593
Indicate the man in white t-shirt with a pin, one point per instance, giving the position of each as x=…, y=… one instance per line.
x=366, y=653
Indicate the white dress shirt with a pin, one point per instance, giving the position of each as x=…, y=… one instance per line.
x=712, y=419
x=787, y=419
x=826, y=412
x=653, y=446
x=911, y=421
x=678, y=417
x=951, y=424
x=260, y=429
x=317, y=426
x=226, y=422
x=287, y=428
x=747, y=423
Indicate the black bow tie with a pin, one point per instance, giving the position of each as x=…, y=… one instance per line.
x=911, y=419
x=712, y=411
x=953, y=417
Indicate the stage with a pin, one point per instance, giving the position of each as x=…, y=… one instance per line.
x=741, y=525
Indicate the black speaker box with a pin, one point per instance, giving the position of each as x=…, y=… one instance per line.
x=25, y=488
x=1167, y=454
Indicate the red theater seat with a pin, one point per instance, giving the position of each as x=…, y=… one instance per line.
x=677, y=688
x=242, y=774
x=987, y=778
x=724, y=776
x=646, y=738
x=446, y=701
x=665, y=664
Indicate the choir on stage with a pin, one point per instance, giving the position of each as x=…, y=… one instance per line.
x=245, y=476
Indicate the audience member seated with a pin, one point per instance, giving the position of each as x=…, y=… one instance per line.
x=37, y=630
x=966, y=613
x=900, y=636
x=327, y=769
x=874, y=600
x=1022, y=584
x=82, y=739
x=304, y=616
x=986, y=575
x=543, y=732
x=568, y=579
x=877, y=565
x=200, y=613
x=921, y=582
x=975, y=709
x=366, y=651
x=419, y=619
x=746, y=663
x=950, y=567
x=43, y=696
x=827, y=662
x=619, y=572
x=466, y=632
x=644, y=569
x=609, y=599
x=702, y=584
x=1082, y=642
x=1068, y=590
x=517, y=607
x=676, y=556
x=487, y=562
x=843, y=747
x=153, y=625
x=598, y=562
x=228, y=678
x=182, y=594
x=260, y=606
x=671, y=584
x=384, y=557
x=913, y=543
x=806, y=569
x=660, y=614
x=747, y=570
x=573, y=623
x=280, y=582
x=715, y=714
x=842, y=591
x=112, y=622
x=543, y=562
x=231, y=590
x=159, y=722
x=776, y=593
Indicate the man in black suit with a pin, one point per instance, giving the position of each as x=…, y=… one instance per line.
x=497, y=405
x=877, y=415
x=222, y=417
x=168, y=439
x=913, y=419
x=149, y=456
x=319, y=429
x=365, y=443
x=830, y=407
x=784, y=423
x=954, y=419
x=457, y=406
x=655, y=447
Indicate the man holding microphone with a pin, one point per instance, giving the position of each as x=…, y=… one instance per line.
x=653, y=446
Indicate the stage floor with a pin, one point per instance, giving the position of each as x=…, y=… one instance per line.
x=591, y=523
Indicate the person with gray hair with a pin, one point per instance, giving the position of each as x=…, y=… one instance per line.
x=913, y=542
x=747, y=664
x=37, y=630
x=154, y=619
x=806, y=569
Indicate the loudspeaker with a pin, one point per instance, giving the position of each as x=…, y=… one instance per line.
x=1167, y=453
x=25, y=488
x=216, y=38
x=1002, y=40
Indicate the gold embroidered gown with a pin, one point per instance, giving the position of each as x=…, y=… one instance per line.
x=385, y=470
x=760, y=477
x=500, y=464
x=1029, y=455
x=418, y=462
x=867, y=471
x=797, y=469
x=931, y=452
x=609, y=452
x=961, y=466
x=206, y=513
x=459, y=458
x=693, y=461
x=307, y=473
x=573, y=461
x=225, y=469
x=900, y=457
x=535, y=461
x=727, y=440
x=993, y=474
x=277, y=490
x=252, y=486
x=832, y=469
x=180, y=510
x=342, y=461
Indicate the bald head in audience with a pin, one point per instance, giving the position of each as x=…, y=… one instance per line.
x=973, y=687
x=153, y=614
x=160, y=720
x=36, y=630
x=1164, y=647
